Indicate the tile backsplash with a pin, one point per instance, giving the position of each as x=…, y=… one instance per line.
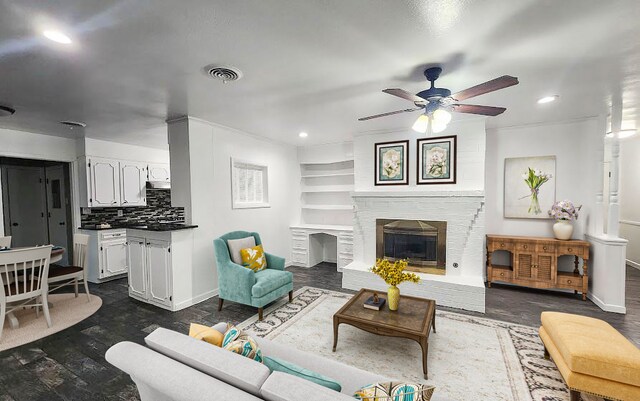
x=158, y=208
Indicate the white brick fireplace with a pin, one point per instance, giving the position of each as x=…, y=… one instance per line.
x=463, y=285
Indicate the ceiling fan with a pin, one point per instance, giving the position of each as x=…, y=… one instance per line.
x=436, y=102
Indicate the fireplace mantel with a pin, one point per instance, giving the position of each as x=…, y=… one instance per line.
x=417, y=194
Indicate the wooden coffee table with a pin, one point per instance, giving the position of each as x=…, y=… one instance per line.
x=413, y=320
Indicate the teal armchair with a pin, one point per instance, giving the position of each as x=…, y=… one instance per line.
x=239, y=284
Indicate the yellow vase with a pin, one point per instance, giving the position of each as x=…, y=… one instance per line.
x=393, y=295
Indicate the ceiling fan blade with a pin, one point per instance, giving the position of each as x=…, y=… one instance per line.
x=390, y=113
x=476, y=109
x=405, y=95
x=504, y=81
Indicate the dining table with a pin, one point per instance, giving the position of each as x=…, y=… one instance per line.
x=56, y=255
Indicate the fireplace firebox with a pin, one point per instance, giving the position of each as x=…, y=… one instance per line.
x=423, y=243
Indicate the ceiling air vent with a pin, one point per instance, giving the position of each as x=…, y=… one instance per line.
x=73, y=124
x=223, y=73
x=6, y=111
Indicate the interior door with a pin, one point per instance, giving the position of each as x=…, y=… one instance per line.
x=57, y=207
x=114, y=255
x=159, y=265
x=105, y=182
x=133, y=178
x=26, y=198
x=136, y=258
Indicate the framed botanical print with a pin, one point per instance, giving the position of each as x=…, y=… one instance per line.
x=392, y=163
x=529, y=186
x=437, y=160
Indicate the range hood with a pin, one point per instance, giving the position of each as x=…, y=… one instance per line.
x=158, y=184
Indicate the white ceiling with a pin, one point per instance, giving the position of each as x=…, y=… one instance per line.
x=312, y=65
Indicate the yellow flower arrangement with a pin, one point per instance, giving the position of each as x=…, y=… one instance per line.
x=393, y=273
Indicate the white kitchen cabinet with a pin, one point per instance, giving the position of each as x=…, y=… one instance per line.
x=107, y=254
x=308, y=251
x=158, y=172
x=133, y=179
x=159, y=271
x=159, y=268
x=137, y=260
x=103, y=182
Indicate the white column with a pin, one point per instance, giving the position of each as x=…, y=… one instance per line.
x=192, y=187
x=613, y=220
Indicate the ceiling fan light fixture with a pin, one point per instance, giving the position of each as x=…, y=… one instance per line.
x=547, y=99
x=421, y=124
x=438, y=126
x=57, y=36
x=303, y=135
x=442, y=116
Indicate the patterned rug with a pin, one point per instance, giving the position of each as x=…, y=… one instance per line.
x=470, y=358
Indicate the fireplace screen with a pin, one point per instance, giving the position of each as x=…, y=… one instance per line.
x=422, y=243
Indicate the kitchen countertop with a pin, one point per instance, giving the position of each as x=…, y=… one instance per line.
x=144, y=227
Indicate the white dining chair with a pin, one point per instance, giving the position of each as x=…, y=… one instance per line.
x=61, y=276
x=23, y=280
x=5, y=242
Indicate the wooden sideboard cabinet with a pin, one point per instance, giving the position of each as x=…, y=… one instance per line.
x=534, y=262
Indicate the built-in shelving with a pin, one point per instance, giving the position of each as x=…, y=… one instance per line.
x=328, y=175
x=327, y=188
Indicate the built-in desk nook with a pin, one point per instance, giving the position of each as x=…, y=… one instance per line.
x=534, y=262
x=315, y=243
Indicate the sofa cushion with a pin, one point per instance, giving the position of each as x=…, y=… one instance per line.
x=285, y=387
x=241, y=343
x=392, y=391
x=205, y=333
x=236, y=245
x=593, y=347
x=226, y=366
x=351, y=379
x=254, y=258
x=280, y=365
x=269, y=280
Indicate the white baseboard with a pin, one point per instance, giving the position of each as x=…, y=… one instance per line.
x=633, y=264
x=606, y=307
x=196, y=300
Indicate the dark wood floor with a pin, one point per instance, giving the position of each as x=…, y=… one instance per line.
x=70, y=365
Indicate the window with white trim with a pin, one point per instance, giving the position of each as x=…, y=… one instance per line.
x=249, y=185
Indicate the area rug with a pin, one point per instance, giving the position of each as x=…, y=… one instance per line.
x=470, y=358
x=67, y=310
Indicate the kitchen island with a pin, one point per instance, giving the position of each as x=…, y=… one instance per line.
x=157, y=258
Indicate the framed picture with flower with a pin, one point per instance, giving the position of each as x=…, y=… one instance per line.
x=392, y=163
x=437, y=160
x=529, y=186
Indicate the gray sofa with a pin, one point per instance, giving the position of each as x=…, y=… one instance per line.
x=176, y=367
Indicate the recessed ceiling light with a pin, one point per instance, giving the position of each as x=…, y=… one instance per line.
x=57, y=37
x=6, y=111
x=547, y=99
x=303, y=135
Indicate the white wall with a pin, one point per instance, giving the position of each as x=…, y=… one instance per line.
x=572, y=143
x=471, y=158
x=28, y=145
x=201, y=155
x=113, y=150
x=630, y=198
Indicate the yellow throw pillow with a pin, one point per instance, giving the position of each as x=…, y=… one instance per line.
x=205, y=333
x=254, y=258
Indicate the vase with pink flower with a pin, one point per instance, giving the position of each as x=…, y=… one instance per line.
x=565, y=213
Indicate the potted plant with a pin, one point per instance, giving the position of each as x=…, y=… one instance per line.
x=393, y=274
x=564, y=212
